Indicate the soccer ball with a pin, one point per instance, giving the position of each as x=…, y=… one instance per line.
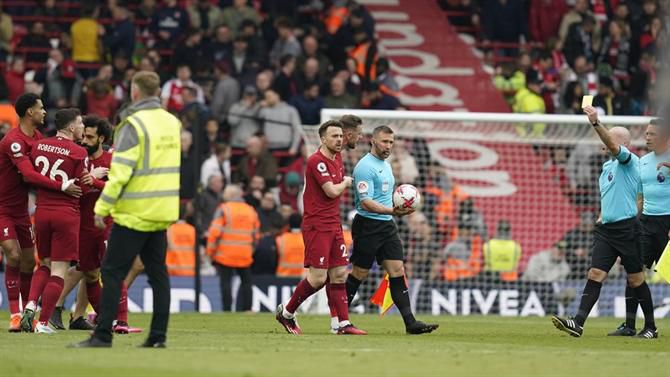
x=406, y=196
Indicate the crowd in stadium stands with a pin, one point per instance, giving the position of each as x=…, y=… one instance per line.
x=555, y=51
x=242, y=76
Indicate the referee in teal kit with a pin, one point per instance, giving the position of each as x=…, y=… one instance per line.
x=618, y=233
x=374, y=232
x=655, y=218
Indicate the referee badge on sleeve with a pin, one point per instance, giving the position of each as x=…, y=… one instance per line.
x=362, y=187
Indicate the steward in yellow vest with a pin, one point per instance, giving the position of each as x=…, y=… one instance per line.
x=502, y=254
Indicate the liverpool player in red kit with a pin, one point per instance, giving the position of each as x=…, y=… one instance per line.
x=326, y=254
x=16, y=170
x=91, y=239
x=56, y=217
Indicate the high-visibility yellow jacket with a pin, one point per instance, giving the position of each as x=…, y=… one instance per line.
x=233, y=235
x=180, y=256
x=142, y=192
x=502, y=256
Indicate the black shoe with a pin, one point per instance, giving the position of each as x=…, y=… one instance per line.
x=647, y=333
x=623, y=330
x=91, y=342
x=56, y=319
x=419, y=327
x=27, y=320
x=80, y=324
x=152, y=344
x=568, y=325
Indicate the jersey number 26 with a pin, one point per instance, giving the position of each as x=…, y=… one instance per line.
x=54, y=171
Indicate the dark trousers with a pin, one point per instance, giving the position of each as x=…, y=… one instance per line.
x=226, y=276
x=124, y=245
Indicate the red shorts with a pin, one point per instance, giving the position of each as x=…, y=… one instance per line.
x=17, y=228
x=57, y=234
x=325, y=248
x=91, y=251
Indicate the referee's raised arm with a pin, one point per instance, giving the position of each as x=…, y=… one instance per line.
x=601, y=130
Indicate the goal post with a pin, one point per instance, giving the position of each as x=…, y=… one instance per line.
x=510, y=201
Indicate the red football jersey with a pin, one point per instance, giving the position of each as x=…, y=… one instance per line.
x=87, y=202
x=61, y=160
x=322, y=212
x=14, y=148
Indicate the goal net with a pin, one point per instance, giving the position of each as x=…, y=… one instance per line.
x=509, y=205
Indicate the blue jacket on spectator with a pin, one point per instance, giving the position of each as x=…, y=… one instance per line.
x=121, y=38
x=308, y=108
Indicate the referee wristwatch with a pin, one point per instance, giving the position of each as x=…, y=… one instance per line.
x=596, y=123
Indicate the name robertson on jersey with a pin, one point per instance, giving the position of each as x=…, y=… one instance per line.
x=53, y=149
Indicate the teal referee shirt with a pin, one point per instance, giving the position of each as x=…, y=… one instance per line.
x=373, y=179
x=655, y=184
x=619, y=186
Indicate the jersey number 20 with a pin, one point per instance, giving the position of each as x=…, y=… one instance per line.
x=54, y=171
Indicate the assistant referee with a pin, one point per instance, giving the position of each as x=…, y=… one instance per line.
x=616, y=236
x=373, y=230
x=655, y=218
x=142, y=196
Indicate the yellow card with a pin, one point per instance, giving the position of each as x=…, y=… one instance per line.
x=587, y=101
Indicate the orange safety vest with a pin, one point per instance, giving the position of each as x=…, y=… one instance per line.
x=233, y=234
x=180, y=256
x=335, y=18
x=456, y=269
x=360, y=55
x=291, y=254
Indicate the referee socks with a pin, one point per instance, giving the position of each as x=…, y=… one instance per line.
x=400, y=296
x=643, y=295
x=589, y=298
x=352, y=287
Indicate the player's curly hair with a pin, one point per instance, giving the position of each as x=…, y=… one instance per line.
x=25, y=102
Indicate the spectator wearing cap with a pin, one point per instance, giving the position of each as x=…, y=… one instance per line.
x=281, y=123
x=204, y=16
x=309, y=104
x=226, y=92
x=243, y=118
x=529, y=100
x=257, y=161
x=338, y=97
x=120, y=35
x=548, y=266
x=286, y=44
x=169, y=23
x=290, y=190
x=609, y=101
x=238, y=12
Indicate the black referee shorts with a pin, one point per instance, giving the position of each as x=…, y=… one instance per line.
x=618, y=239
x=374, y=240
x=653, y=237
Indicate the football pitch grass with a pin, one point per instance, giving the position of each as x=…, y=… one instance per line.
x=255, y=345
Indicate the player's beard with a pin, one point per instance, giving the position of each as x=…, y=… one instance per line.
x=91, y=149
